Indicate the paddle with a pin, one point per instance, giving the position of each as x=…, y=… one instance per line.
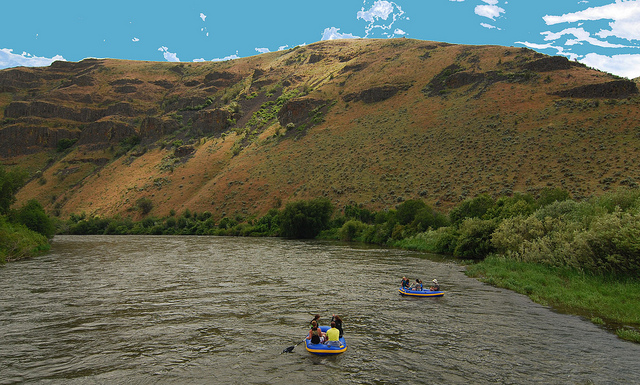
x=290, y=348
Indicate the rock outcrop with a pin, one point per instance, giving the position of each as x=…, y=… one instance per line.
x=617, y=89
x=298, y=111
x=376, y=94
x=22, y=139
x=212, y=120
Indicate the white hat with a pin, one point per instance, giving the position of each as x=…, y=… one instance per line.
x=435, y=281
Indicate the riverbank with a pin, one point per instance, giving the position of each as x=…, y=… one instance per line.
x=18, y=242
x=612, y=302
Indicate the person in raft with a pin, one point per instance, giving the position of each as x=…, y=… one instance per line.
x=316, y=318
x=338, y=322
x=333, y=335
x=405, y=282
x=434, y=285
x=315, y=334
x=416, y=285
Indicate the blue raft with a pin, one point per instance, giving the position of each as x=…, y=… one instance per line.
x=325, y=350
x=420, y=293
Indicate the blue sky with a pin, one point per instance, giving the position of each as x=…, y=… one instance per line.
x=603, y=34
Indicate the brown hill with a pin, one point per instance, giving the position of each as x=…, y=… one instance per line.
x=371, y=122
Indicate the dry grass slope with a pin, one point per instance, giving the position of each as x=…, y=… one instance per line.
x=374, y=122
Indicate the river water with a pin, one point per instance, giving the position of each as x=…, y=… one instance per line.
x=209, y=310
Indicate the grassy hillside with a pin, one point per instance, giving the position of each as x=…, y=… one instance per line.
x=372, y=122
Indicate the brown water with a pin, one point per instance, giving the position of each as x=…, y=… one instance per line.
x=208, y=310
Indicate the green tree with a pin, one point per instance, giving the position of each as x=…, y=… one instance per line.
x=10, y=183
x=474, y=240
x=516, y=205
x=407, y=210
x=471, y=208
x=305, y=219
x=427, y=218
x=33, y=216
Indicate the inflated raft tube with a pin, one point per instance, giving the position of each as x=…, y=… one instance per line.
x=420, y=293
x=325, y=350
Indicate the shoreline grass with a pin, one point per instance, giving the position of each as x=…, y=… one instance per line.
x=611, y=302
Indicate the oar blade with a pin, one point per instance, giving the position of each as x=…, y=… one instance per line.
x=289, y=349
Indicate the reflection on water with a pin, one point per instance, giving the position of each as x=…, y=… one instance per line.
x=208, y=310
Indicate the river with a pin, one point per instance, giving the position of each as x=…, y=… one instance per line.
x=214, y=310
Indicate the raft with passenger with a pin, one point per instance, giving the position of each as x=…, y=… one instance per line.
x=420, y=293
x=325, y=350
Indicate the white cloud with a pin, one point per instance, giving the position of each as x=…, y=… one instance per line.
x=135, y=39
x=559, y=49
x=333, y=34
x=283, y=47
x=381, y=9
x=168, y=56
x=625, y=16
x=489, y=26
x=198, y=60
x=263, y=50
x=382, y=14
x=621, y=65
x=230, y=57
x=9, y=59
x=580, y=36
x=203, y=16
x=398, y=31
x=489, y=11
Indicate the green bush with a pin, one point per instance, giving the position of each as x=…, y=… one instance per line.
x=351, y=230
x=471, y=208
x=509, y=207
x=407, y=210
x=305, y=219
x=427, y=218
x=65, y=143
x=33, y=216
x=10, y=183
x=145, y=205
x=613, y=244
x=551, y=195
x=474, y=240
x=17, y=241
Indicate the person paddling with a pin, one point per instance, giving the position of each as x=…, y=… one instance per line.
x=315, y=334
x=338, y=322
